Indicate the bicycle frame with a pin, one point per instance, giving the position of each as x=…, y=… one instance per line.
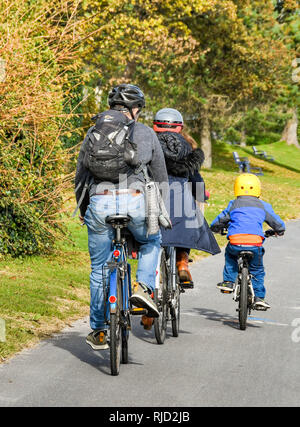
x=173, y=270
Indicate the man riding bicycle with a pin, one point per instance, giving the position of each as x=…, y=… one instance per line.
x=124, y=196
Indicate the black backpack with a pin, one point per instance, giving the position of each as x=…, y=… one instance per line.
x=110, y=150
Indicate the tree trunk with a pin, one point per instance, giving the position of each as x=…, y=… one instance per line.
x=289, y=134
x=243, y=139
x=206, y=143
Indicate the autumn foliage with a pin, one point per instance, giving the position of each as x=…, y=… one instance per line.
x=37, y=50
x=225, y=64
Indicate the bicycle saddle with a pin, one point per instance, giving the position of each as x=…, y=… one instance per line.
x=247, y=254
x=118, y=220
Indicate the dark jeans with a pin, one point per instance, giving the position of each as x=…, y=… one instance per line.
x=256, y=267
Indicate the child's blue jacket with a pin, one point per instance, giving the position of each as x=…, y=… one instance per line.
x=246, y=215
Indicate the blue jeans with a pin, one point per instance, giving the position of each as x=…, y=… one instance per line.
x=256, y=267
x=100, y=236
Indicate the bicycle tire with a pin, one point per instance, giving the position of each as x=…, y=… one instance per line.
x=243, y=301
x=160, y=298
x=125, y=337
x=116, y=333
x=175, y=313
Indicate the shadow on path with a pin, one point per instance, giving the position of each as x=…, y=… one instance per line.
x=74, y=343
x=216, y=316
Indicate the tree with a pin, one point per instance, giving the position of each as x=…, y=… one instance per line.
x=289, y=22
x=206, y=58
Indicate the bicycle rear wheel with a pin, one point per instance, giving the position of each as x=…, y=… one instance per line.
x=160, y=298
x=116, y=332
x=125, y=337
x=243, y=301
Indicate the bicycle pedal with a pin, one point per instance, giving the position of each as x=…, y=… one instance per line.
x=257, y=308
x=187, y=285
x=226, y=292
x=137, y=311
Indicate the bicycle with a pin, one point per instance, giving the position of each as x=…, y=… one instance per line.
x=167, y=294
x=117, y=292
x=243, y=292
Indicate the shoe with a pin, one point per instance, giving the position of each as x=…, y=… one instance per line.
x=226, y=287
x=141, y=298
x=97, y=340
x=260, y=304
x=147, y=322
x=182, y=264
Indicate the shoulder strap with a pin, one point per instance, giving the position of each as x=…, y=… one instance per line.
x=86, y=181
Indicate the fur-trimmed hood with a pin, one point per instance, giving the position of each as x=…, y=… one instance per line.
x=181, y=160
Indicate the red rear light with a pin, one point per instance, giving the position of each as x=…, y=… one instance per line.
x=116, y=253
x=112, y=299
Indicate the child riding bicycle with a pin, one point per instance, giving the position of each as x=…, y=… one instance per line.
x=244, y=218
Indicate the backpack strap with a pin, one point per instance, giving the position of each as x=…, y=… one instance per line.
x=86, y=182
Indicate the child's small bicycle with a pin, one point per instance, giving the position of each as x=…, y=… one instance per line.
x=243, y=292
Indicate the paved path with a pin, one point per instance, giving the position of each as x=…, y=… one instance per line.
x=211, y=363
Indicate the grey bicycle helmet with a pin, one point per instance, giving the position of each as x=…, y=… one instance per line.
x=168, y=119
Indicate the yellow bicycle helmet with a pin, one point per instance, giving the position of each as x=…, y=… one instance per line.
x=247, y=184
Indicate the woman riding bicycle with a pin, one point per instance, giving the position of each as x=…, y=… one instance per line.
x=189, y=227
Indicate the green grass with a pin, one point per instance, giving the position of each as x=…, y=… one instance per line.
x=39, y=295
x=284, y=155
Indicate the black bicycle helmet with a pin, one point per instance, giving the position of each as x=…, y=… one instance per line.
x=130, y=96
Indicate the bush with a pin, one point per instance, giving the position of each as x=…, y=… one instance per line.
x=32, y=159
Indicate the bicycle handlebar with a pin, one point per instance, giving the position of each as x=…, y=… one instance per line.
x=268, y=233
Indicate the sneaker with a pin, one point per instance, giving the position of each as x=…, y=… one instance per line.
x=141, y=298
x=97, y=340
x=260, y=304
x=226, y=286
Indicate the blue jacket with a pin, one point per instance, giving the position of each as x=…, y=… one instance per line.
x=246, y=215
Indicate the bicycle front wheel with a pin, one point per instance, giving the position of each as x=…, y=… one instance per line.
x=116, y=333
x=243, y=301
x=160, y=298
x=125, y=337
x=175, y=312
